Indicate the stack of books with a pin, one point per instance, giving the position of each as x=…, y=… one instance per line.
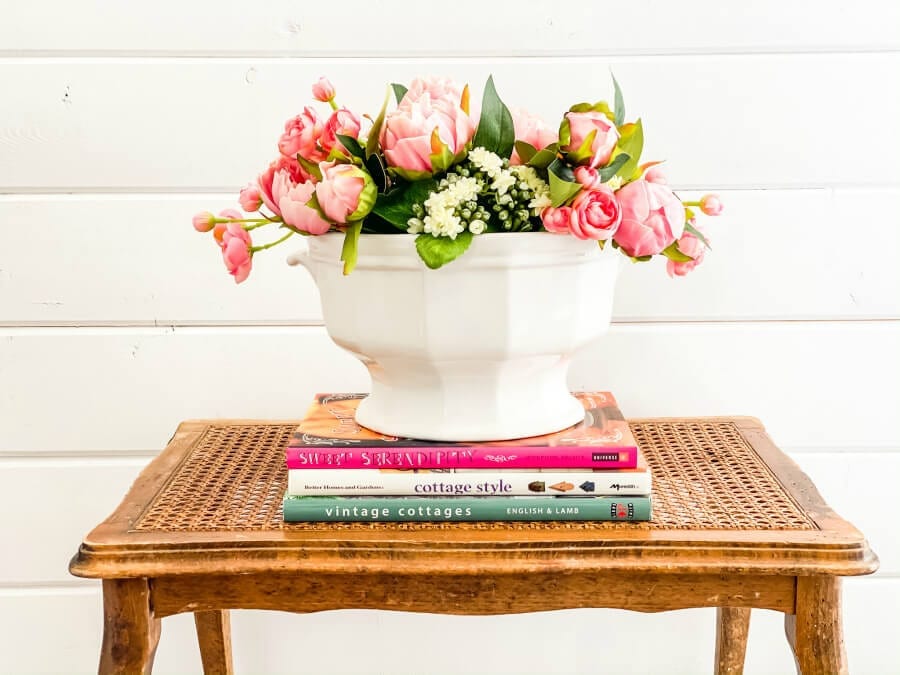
x=342, y=472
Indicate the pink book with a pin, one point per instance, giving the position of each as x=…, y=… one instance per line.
x=329, y=438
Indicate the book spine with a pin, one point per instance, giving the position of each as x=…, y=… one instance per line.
x=435, y=509
x=462, y=457
x=478, y=483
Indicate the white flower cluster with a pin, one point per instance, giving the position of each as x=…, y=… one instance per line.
x=491, y=164
x=529, y=180
x=440, y=217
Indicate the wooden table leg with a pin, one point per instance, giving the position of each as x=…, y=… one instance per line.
x=815, y=632
x=732, y=626
x=214, y=635
x=130, y=631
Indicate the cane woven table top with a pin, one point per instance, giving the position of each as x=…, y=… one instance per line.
x=720, y=487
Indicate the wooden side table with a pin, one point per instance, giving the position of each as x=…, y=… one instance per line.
x=736, y=525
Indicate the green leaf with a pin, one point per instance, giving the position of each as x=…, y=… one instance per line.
x=351, y=244
x=619, y=114
x=399, y=91
x=441, y=157
x=375, y=132
x=599, y=106
x=352, y=145
x=641, y=258
x=697, y=233
x=495, y=128
x=613, y=167
x=672, y=253
x=378, y=171
x=545, y=157
x=438, y=251
x=631, y=143
x=311, y=167
x=396, y=206
x=563, y=185
x=526, y=151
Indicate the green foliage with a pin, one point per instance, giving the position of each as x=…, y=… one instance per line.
x=399, y=91
x=563, y=185
x=599, y=106
x=673, y=253
x=631, y=143
x=697, y=233
x=495, y=128
x=396, y=206
x=543, y=158
x=352, y=145
x=438, y=251
x=619, y=114
x=526, y=151
x=613, y=167
x=351, y=245
x=375, y=131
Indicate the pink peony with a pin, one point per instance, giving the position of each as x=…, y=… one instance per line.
x=558, y=220
x=581, y=124
x=437, y=89
x=711, y=205
x=301, y=135
x=323, y=90
x=293, y=200
x=532, y=130
x=689, y=245
x=346, y=192
x=407, y=131
x=219, y=229
x=204, y=221
x=342, y=122
x=292, y=169
x=597, y=214
x=655, y=175
x=250, y=198
x=652, y=218
x=236, y=251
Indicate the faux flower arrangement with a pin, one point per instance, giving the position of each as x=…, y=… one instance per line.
x=427, y=168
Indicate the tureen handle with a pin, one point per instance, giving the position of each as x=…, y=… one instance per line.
x=304, y=259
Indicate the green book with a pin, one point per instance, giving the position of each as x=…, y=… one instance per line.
x=437, y=509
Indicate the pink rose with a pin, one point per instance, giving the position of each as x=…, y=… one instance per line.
x=323, y=90
x=342, y=122
x=652, y=218
x=532, y=130
x=301, y=134
x=204, y=221
x=219, y=229
x=711, y=205
x=557, y=220
x=345, y=193
x=437, y=89
x=406, y=135
x=588, y=176
x=236, y=251
x=293, y=201
x=250, y=199
x=293, y=170
x=597, y=214
x=582, y=124
x=691, y=246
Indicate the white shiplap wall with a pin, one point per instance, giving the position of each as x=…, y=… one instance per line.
x=119, y=120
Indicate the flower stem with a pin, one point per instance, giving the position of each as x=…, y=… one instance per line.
x=256, y=249
x=697, y=204
x=334, y=106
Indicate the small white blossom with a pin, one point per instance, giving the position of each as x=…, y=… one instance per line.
x=539, y=202
x=503, y=182
x=486, y=160
x=477, y=226
x=614, y=183
x=415, y=225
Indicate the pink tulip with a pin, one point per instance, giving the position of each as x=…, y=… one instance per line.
x=597, y=214
x=557, y=220
x=407, y=131
x=236, y=251
x=301, y=136
x=342, y=122
x=532, y=130
x=293, y=200
x=346, y=192
x=652, y=218
x=655, y=175
x=323, y=90
x=582, y=124
x=588, y=177
x=204, y=221
x=250, y=198
x=691, y=246
x=711, y=205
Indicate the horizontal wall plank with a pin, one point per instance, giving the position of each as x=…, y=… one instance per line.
x=213, y=124
x=91, y=389
x=43, y=491
x=209, y=27
x=175, y=277
x=570, y=641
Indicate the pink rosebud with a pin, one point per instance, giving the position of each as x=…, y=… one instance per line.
x=558, y=220
x=323, y=90
x=655, y=175
x=652, y=218
x=597, y=214
x=250, y=199
x=407, y=132
x=587, y=176
x=711, y=205
x=204, y=221
x=236, y=251
x=345, y=193
x=581, y=125
x=301, y=136
x=691, y=246
x=294, y=210
x=530, y=129
x=342, y=122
